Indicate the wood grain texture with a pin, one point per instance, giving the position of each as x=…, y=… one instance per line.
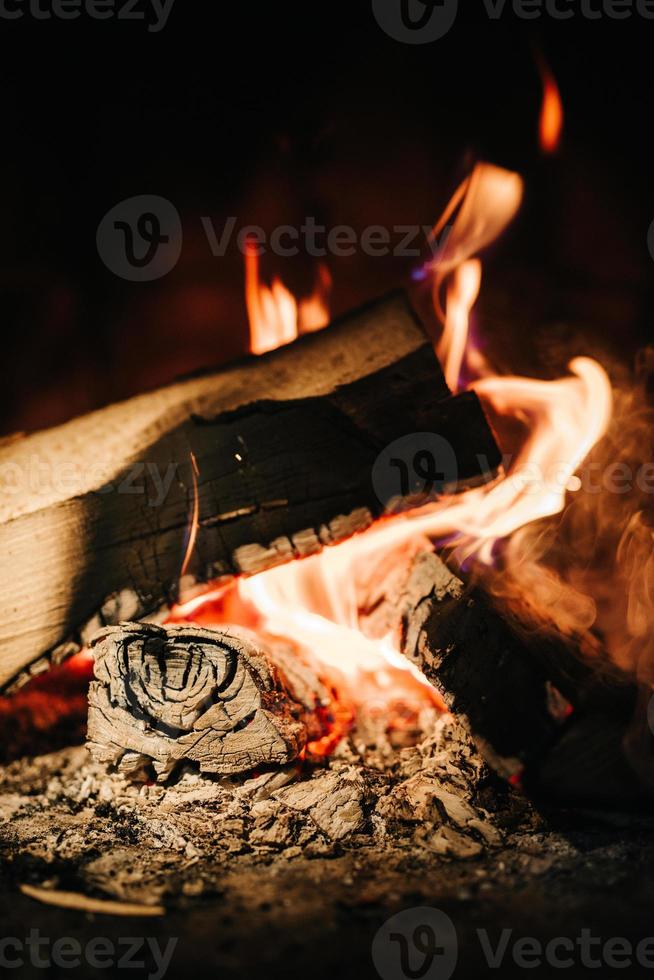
x=184, y=694
x=95, y=516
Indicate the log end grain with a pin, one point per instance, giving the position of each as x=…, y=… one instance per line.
x=163, y=696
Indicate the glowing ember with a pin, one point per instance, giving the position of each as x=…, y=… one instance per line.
x=309, y=604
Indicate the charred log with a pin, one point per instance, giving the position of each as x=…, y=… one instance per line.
x=513, y=693
x=265, y=461
x=184, y=694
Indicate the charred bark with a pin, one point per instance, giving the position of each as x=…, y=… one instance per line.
x=267, y=460
x=507, y=688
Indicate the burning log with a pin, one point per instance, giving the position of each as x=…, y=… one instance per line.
x=228, y=473
x=164, y=696
x=515, y=695
x=478, y=666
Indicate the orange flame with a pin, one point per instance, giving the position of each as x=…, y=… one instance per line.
x=276, y=318
x=564, y=419
x=551, y=115
x=484, y=205
x=313, y=602
x=461, y=297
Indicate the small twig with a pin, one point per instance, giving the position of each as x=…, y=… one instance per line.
x=73, y=900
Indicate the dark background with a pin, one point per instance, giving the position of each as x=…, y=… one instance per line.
x=274, y=111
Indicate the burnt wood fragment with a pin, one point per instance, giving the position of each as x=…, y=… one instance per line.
x=162, y=697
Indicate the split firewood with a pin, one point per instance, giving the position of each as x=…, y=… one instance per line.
x=163, y=696
x=228, y=473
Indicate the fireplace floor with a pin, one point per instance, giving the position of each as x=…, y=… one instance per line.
x=66, y=820
x=295, y=871
x=296, y=915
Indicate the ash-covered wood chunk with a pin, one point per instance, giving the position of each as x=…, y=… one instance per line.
x=181, y=693
x=333, y=800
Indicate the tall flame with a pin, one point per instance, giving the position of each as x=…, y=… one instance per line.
x=462, y=294
x=551, y=115
x=498, y=529
x=564, y=419
x=479, y=211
